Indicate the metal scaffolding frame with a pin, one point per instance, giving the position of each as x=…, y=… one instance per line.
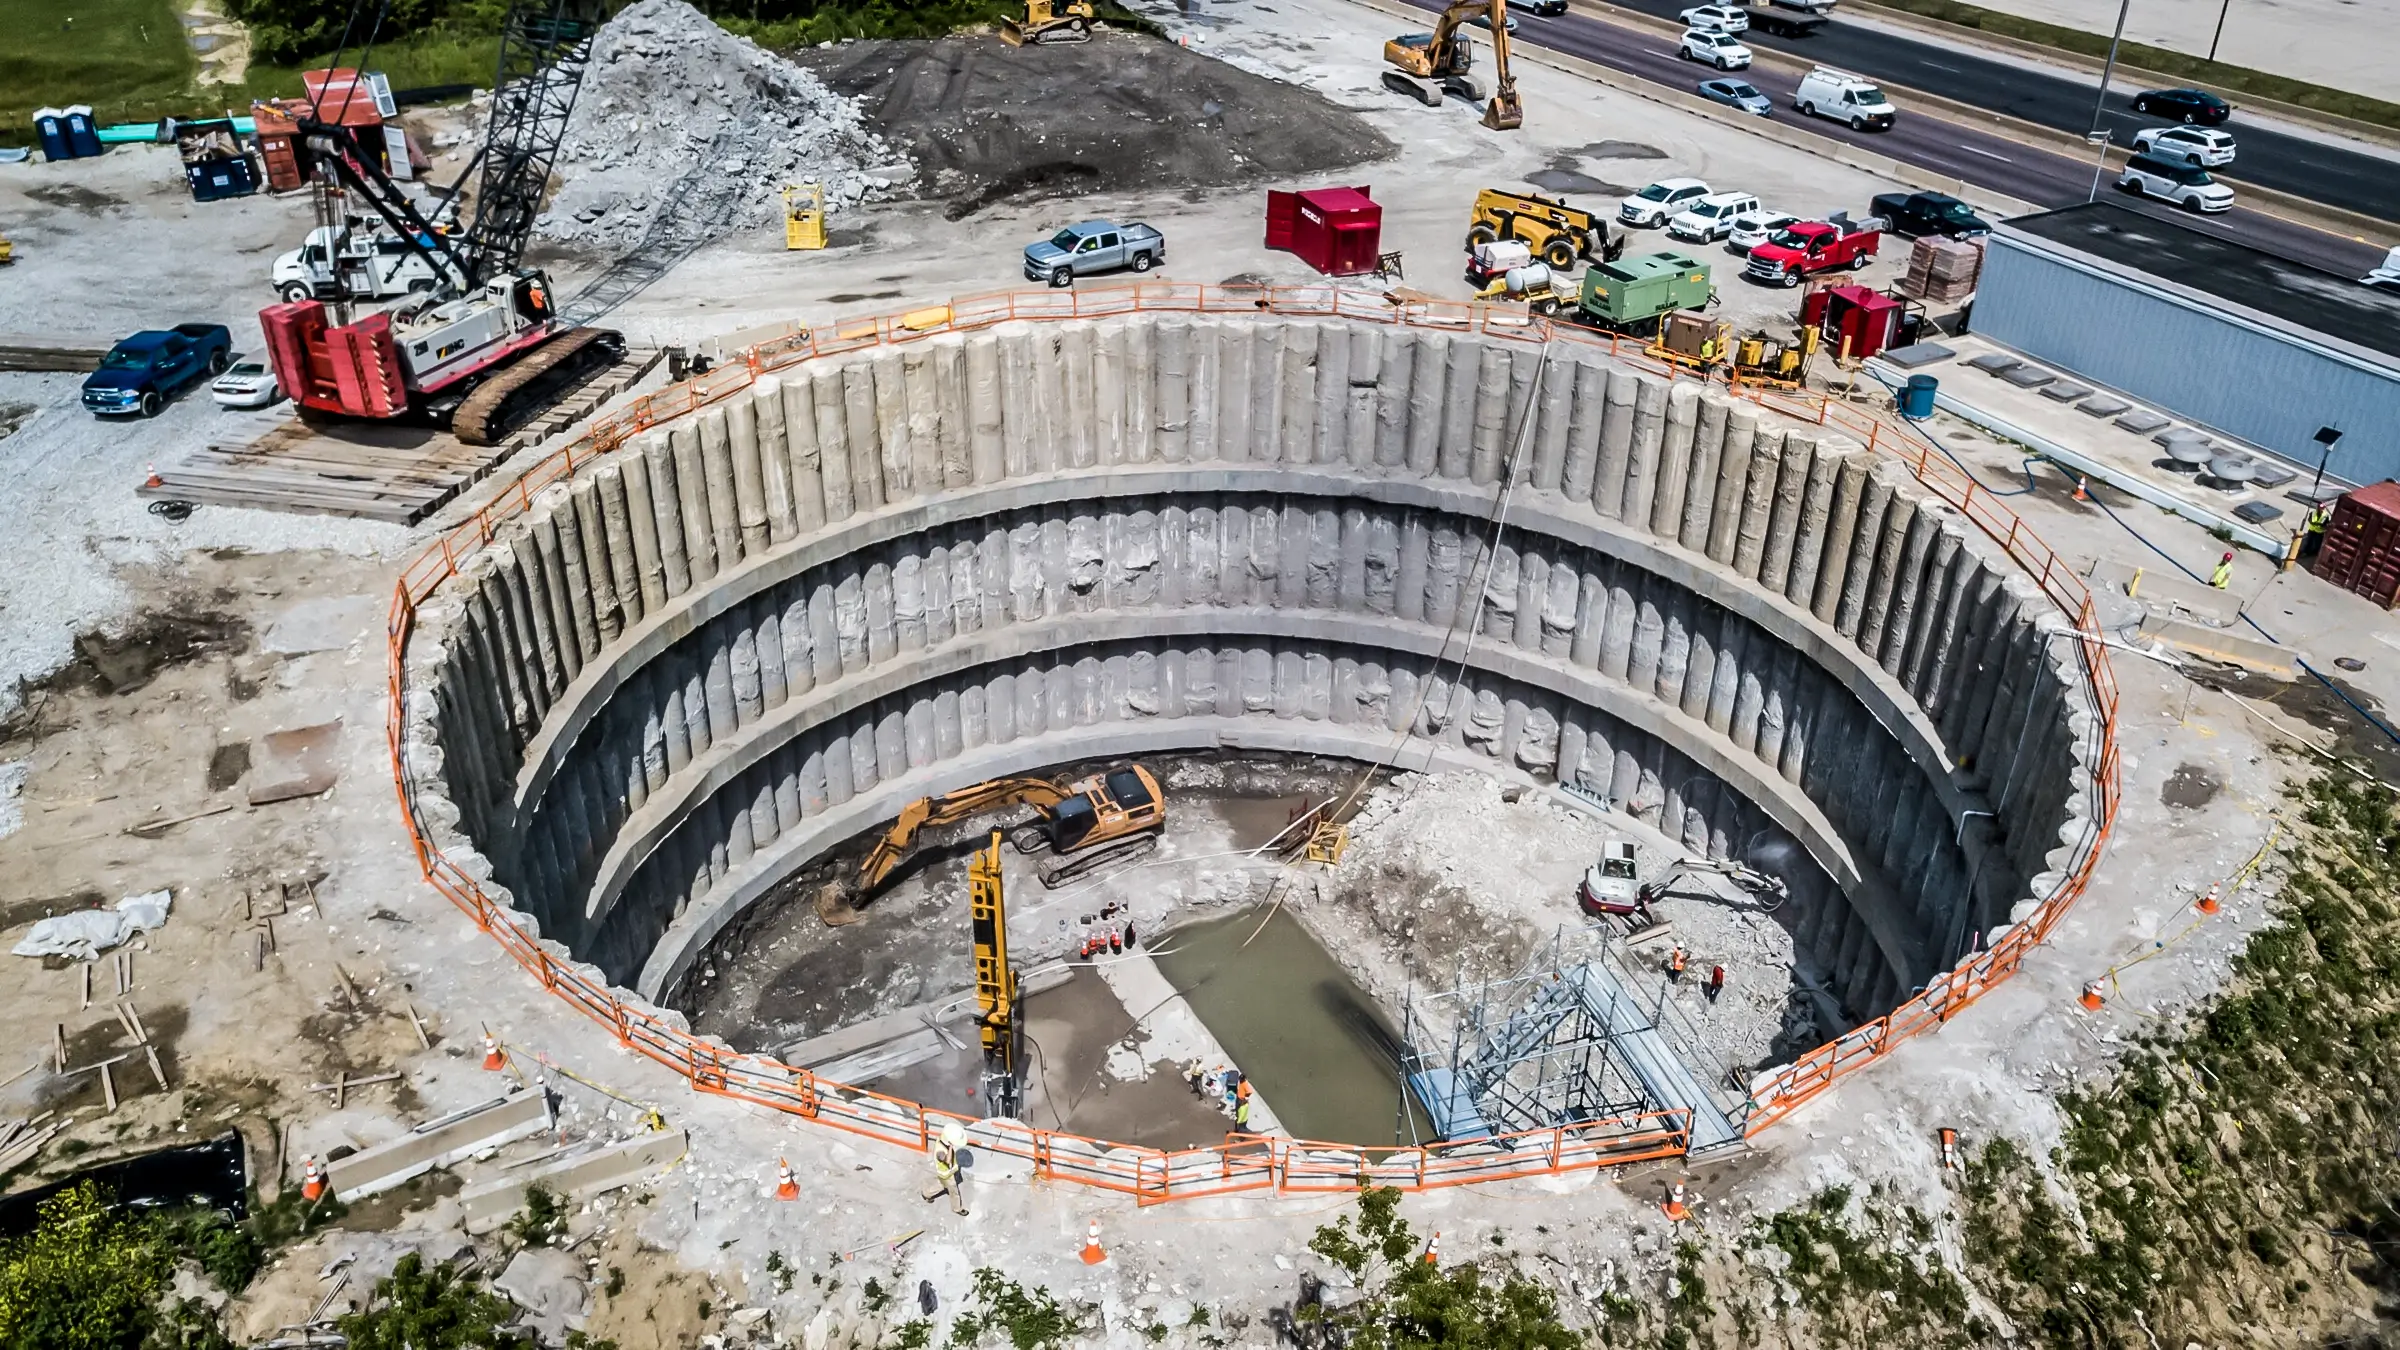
x=1568, y=1039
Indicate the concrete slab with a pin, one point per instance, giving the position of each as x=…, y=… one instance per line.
x=817, y=1052
x=914, y=1047
x=1918, y=354
x=2218, y=644
x=321, y=625
x=438, y=1143
x=548, y=1284
x=487, y=1205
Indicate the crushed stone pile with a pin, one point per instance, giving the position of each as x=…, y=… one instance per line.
x=687, y=130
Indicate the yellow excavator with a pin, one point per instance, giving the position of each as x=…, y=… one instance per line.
x=1091, y=823
x=1048, y=22
x=1427, y=66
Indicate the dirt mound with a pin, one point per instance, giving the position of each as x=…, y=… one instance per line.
x=985, y=121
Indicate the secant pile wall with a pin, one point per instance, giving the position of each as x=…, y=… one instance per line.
x=756, y=632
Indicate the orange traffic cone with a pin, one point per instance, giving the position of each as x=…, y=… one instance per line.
x=785, y=1187
x=153, y=480
x=312, y=1180
x=1093, y=1253
x=492, y=1058
x=2092, y=999
x=1949, y=1149
x=2083, y=487
x=2207, y=903
x=1675, y=1209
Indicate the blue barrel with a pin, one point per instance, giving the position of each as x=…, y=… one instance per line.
x=1916, y=401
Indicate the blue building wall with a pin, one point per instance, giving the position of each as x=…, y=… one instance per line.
x=2219, y=370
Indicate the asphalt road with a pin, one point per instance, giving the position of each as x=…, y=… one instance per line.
x=1951, y=149
x=2314, y=169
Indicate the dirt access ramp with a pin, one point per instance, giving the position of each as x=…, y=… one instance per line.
x=986, y=121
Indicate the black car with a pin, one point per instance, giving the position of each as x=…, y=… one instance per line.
x=1937, y=213
x=2197, y=106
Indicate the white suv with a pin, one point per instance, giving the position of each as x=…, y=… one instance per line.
x=2183, y=184
x=1722, y=50
x=1656, y=204
x=1757, y=227
x=2202, y=146
x=1724, y=18
x=1826, y=92
x=1711, y=218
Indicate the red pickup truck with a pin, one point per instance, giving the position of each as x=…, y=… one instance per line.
x=1812, y=246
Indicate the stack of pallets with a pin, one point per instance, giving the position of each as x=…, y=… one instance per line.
x=1943, y=270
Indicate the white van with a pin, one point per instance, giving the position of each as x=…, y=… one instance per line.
x=2186, y=185
x=1830, y=93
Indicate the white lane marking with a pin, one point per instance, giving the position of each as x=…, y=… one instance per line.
x=1936, y=65
x=1672, y=56
x=1986, y=154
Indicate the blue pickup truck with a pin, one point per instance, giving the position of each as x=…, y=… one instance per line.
x=142, y=372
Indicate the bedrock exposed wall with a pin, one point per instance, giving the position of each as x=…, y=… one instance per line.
x=745, y=637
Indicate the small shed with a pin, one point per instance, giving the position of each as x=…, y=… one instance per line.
x=2361, y=551
x=1855, y=321
x=1338, y=231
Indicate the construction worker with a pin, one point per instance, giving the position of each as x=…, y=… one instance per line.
x=1716, y=982
x=2223, y=576
x=2319, y=517
x=1241, y=1109
x=1676, y=958
x=1196, y=1074
x=945, y=1164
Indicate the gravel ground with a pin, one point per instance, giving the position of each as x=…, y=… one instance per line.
x=85, y=553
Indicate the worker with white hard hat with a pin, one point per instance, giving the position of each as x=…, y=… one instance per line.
x=945, y=1165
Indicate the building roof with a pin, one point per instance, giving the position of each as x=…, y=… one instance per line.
x=2332, y=308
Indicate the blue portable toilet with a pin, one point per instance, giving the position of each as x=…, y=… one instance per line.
x=1916, y=401
x=50, y=128
x=83, y=138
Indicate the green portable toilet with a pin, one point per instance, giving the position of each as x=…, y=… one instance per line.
x=1635, y=290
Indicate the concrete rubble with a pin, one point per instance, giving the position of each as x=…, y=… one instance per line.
x=680, y=120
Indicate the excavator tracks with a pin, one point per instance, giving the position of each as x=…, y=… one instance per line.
x=533, y=382
x=1107, y=857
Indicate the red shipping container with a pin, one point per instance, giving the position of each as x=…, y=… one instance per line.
x=1338, y=231
x=2361, y=551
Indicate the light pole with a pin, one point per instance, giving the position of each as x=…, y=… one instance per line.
x=2220, y=33
x=2325, y=438
x=2100, y=104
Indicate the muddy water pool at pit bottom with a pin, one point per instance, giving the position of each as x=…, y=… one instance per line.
x=1316, y=1046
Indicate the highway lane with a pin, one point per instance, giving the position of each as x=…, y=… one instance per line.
x=2319, y=170
x=1950, y=149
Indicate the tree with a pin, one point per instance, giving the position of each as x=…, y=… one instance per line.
x=437, y=1307
x=84, y=1279
x=1410, y=1304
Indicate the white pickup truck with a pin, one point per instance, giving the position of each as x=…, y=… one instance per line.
x=353, y=262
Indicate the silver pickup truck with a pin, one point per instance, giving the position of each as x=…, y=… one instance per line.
x=1094, y=246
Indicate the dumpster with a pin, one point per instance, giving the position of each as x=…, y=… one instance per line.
x=1916, y=401
x=1338, y=231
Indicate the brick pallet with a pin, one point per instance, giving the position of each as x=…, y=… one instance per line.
x=1943, y=270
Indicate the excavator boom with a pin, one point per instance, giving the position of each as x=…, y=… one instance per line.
x=1504, y=111
x=1427, y=66
x=942, y=810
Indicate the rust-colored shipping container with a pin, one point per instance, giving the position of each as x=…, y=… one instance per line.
x=2361, y=551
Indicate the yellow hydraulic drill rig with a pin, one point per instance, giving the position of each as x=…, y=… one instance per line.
x=1426, y=66
x=995, y=984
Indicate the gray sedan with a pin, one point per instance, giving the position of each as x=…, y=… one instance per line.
x=1736, y=94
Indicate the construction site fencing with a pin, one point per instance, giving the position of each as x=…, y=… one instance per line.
x=1243, y=1163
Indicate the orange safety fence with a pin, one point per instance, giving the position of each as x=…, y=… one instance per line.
x=1244, y=1162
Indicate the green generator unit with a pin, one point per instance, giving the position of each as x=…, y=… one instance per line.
x=1634, y=293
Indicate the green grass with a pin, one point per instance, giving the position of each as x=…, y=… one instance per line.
x=123, y=94
x=901, y=19
x=2215, y=76
x=115, y=52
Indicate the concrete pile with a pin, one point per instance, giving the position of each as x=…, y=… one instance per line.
x=687, y=128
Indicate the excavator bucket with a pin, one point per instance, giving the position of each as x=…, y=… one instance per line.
x=1505, y=111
